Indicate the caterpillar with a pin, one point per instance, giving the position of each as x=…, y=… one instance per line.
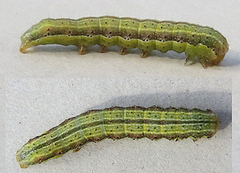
x=207, y=44
x=116, y=123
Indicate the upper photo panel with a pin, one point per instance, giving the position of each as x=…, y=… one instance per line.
x=88, y=39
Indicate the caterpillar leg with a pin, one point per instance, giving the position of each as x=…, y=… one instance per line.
x=123, y=51
x=76, y=150
x=203, y=62
x=145, y=54
x=82, y=50
x=193, y=138
x=186, y=61
x=102, y=49
x=190, y=57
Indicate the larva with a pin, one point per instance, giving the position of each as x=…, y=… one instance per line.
x=207, y=44
x=116, y=123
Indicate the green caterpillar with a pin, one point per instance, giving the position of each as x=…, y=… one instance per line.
x=116, y=123
x=207, y=44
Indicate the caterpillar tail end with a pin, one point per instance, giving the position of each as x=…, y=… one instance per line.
x=216, y=125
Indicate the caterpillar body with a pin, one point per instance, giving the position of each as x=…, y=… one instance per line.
x=116, y=123
x=207, y=44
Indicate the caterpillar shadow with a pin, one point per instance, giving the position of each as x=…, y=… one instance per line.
x=232, y=58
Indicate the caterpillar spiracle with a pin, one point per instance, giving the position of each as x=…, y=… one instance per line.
x=116, y=123
x=209, y=45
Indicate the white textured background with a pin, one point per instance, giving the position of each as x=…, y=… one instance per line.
x=33, y=106
x=64, y=62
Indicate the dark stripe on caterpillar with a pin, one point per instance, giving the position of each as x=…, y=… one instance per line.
x=116, y=123
x=207, y=44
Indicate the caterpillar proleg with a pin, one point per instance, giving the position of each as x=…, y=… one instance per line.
x=209, y=45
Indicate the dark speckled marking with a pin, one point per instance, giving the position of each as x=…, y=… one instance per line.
x=116, y=123
x=207, y=44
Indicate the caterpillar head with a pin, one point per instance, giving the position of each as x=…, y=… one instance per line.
x=33, y=35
